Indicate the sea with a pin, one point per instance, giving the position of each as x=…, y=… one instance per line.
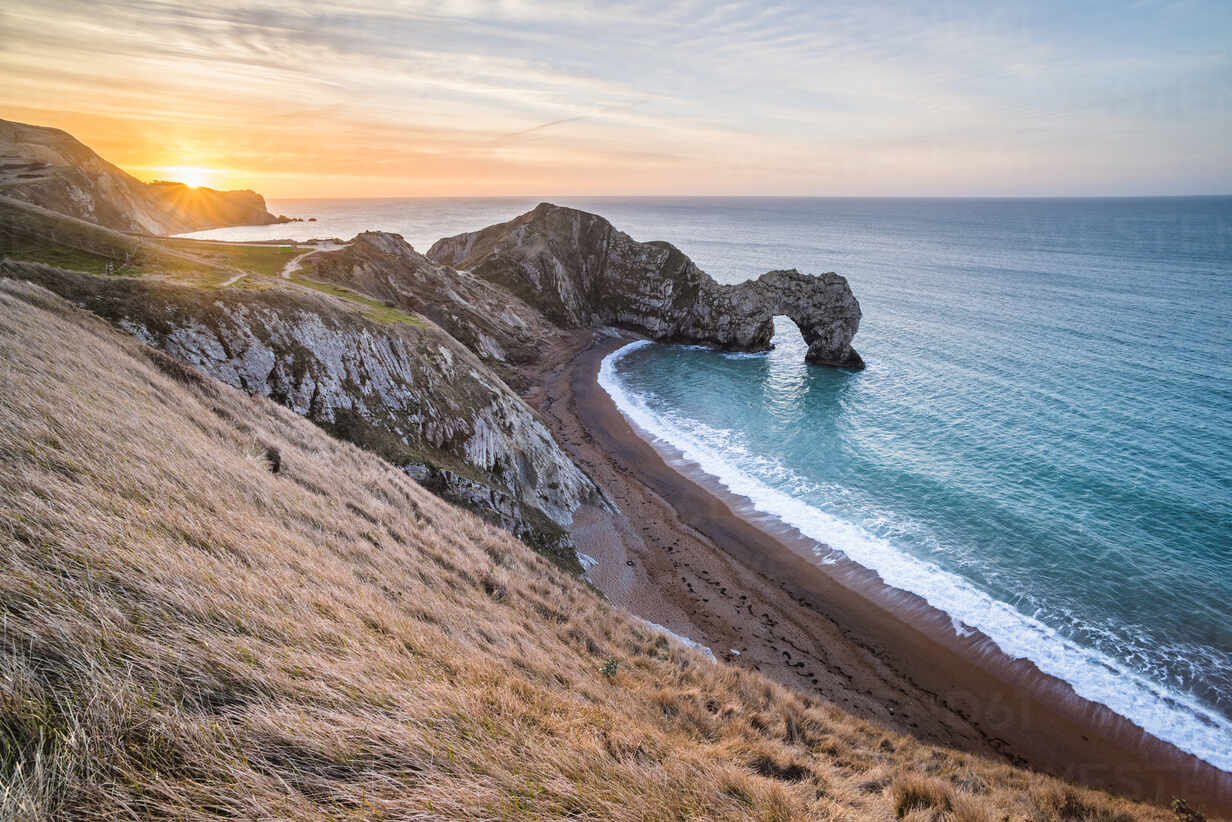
x=1040, y=445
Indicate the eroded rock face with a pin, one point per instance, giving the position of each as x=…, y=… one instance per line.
x=490, y=321
x=408, y=392
x=580, y=271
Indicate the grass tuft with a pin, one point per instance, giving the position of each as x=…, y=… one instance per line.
x=914, y=793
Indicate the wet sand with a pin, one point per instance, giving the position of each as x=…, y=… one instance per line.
x=686, y=554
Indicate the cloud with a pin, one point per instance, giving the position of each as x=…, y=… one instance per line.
x=788, y=90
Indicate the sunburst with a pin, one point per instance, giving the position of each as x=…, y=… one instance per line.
x=191, y=176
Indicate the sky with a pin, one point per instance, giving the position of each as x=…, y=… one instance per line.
x=520, y=97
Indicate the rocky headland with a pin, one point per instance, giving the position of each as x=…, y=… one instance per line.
x=580, y=271
x=50, y=168
x=429, y=360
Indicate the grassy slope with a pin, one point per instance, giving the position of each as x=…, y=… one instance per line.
x=259, y=258
x=187, y=634
x=375, y=310
x=32, y=234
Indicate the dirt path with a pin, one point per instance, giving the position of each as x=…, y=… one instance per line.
x=294, y=262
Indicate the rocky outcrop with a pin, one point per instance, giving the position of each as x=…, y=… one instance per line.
x=580, y=271
x=821, y=306
x=405, y=390
x=49, y=168
x=487, y=319
x=180, y=208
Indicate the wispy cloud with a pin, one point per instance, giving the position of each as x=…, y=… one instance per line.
x=522, y=95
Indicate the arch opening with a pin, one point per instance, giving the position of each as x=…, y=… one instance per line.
x=787, y=338
x=786, y=375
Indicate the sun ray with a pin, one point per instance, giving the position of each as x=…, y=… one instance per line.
x=191, y=176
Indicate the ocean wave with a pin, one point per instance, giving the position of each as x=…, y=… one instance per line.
x=727, y=355
x=1171, y=716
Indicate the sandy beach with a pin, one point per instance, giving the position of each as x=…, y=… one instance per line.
x=686, y=554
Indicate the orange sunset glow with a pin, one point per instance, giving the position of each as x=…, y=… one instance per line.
x=191, y=176
x=525, y=97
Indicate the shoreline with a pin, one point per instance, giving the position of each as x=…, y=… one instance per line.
x=701, y=561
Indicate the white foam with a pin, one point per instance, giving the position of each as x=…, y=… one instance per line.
x=1174, y=717
x=960, y=628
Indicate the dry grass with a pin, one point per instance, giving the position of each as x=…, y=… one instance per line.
x=189, y=635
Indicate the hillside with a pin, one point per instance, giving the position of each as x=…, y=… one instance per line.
x=213, y=609
x=387, y=379
x=49, y=168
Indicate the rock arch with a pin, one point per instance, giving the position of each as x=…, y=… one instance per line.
x=822, y=307
x=578, y=270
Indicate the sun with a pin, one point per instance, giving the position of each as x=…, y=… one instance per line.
x=191, y=176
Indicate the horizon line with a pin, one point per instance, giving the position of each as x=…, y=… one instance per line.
x=548, y=198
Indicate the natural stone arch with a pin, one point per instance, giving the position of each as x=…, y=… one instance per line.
x=822, y=307
x=579, y=270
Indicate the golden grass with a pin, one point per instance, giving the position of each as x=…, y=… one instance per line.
x=188, y=635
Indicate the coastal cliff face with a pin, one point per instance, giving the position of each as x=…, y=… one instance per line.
x=580, y=271
x=49, y=168
x=403, y=389
x=487, y=319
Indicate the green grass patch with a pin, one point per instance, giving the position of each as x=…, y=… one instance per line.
x=267, y=260
x=27, y=249
x=34, y=234
x=372, y=309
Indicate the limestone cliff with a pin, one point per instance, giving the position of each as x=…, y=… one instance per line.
x=49, y=168
x=404, y=389
x=579, y=271
x=489, y=320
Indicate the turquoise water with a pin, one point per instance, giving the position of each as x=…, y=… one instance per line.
x=1041, y=444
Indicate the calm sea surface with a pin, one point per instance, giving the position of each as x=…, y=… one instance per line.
x=1041, y=444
